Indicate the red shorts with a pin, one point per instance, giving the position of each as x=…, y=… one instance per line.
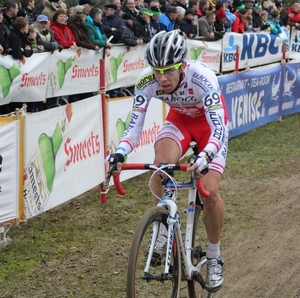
x=183, y=129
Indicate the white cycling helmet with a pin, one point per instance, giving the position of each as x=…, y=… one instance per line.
x=166, y=48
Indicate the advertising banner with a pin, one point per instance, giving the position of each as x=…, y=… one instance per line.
x=207, y=52
x=24, y=81
x=253, y=98
x=255, y=49
x=9, y=169
x=119, y=116
x=291, y=87
x=64, y=154
x=73, y=72
x=294, y=48
x=124, y=65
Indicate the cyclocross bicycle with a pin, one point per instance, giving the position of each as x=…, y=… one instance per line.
x=179, y=273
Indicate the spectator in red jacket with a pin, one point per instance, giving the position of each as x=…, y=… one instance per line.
x=62, y=33
x=238, y=25
x=294, y=15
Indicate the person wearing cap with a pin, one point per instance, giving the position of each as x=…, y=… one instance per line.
x=27, y=7
x=112, y=24
x=230, y=17
x=129, y=7
x=219, y=24
x=94, y=30
x=79, y=30
x=4, y=45
x=141, y=27
x=167, y=19
x=51, y=7
x=44, y=35
x=188, y=24
x=62, y=33
x=128, y=37
x=9, y=15
x=88, y=5
x=154, y=24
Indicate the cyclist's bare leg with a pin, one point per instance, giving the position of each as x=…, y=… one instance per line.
x=166, y=150
x=213, y=211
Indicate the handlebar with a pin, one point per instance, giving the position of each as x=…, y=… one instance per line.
x=144, y=166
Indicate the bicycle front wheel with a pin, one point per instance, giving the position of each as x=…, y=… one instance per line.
x=138, y=282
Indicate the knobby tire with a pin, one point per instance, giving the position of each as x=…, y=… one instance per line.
x=136, y=286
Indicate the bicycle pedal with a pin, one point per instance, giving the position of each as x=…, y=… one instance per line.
x=198, y=252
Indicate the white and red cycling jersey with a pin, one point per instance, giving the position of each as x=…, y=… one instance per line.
x=197, y=112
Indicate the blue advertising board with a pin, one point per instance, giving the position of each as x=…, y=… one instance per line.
x=255, y=98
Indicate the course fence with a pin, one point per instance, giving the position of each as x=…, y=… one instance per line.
x=50, y=157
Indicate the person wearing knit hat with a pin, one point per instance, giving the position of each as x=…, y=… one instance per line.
x=221, y=14
x=189, y=11
x=22, y=13
x=238, y=5
x=219, y=23
x=142, y=28
x=188, y=24
x=145, y=12
x=128, y=36
x=155, y=11
x=230, y=17
x=257, y=21
x=127, y=16
x=154, y=24
x=88, y=5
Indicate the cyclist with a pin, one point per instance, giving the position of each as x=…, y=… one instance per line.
x=197, y=112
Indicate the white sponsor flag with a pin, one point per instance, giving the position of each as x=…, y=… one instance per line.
x=9, y=169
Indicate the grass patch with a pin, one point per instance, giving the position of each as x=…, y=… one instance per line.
x=80, y=249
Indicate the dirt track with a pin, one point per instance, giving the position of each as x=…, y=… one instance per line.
x=263, y=261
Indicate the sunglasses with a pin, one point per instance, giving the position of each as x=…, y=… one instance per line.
x=167, y=70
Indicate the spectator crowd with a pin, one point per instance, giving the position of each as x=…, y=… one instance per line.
x=26, y=29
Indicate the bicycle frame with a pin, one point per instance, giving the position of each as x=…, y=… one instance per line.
x=175, y=227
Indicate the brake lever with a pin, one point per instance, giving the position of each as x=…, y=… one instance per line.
x=192, y=160
x=112, y=167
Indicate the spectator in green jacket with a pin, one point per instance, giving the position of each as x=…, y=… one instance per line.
x=94, y=30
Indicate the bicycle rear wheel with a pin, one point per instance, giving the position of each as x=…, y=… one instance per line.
x=194, y=288
x=137, y=284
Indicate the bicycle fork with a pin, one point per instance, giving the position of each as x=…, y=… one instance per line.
x=172, y=220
